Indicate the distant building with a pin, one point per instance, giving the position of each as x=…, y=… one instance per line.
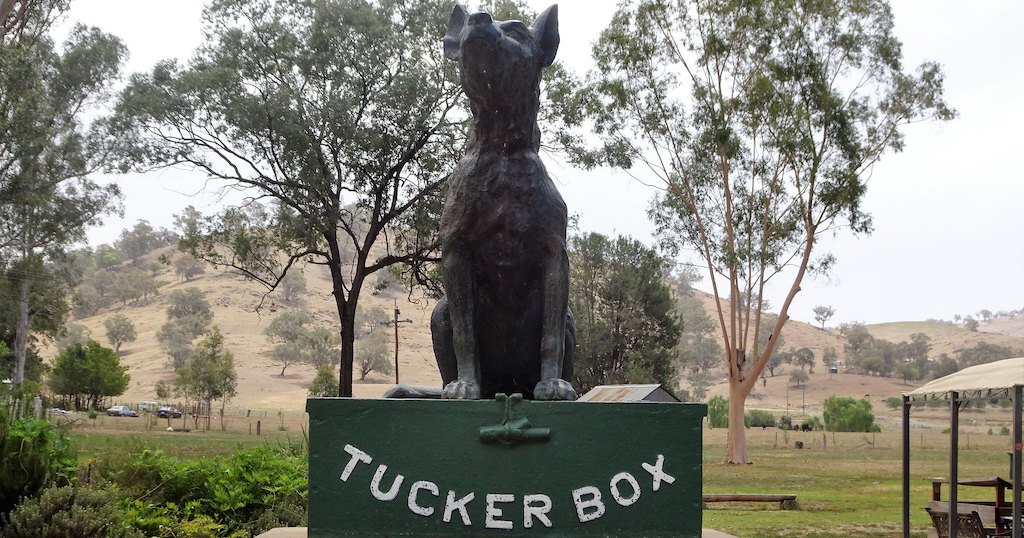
x=628, y=393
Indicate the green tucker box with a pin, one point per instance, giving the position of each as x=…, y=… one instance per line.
x=503, y=467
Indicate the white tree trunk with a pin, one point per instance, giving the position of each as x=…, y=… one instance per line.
x=21, y=331
x=736, y=444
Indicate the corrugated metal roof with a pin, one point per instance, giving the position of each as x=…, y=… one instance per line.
x=628, y=393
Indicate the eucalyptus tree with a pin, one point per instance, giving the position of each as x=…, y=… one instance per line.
x=761, y=121
x=53, y=137
x=336, y=120
x=626, y=324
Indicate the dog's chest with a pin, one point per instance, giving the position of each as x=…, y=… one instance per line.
x=502, y=198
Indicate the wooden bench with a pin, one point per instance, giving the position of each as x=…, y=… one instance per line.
x=786, y=501
x=986, y=514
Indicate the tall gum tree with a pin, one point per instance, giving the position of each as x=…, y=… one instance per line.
x=339, y=114
x=52, y=139
x=760, y=121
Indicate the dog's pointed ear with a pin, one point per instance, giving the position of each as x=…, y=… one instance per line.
x=455, y=24
x=545, y=29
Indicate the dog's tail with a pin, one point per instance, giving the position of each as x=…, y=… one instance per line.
x=409, y=391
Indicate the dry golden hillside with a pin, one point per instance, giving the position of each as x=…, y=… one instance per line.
x=261, y=386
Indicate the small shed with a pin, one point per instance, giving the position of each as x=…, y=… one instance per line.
x=999, y=379
x=628, y=393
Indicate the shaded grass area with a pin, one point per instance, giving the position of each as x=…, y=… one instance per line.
x=847, y=485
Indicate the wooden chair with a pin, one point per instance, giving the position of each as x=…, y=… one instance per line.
x=968, y=525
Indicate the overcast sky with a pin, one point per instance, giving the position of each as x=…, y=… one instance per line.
x=949, y=227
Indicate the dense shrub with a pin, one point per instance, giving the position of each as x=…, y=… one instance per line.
x=33, y=454
x=718, y=412
x=759, y=418
x=844, y=414
x=82, y=512
x=249, y=492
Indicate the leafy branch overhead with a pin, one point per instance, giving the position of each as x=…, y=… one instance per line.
x=336, y=121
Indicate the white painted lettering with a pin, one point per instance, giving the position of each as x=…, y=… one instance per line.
x=357, y=456
x=536, y=506
x=492, y=514
x=657, y=473
x=424, y=511
x=614, y=485
x=588, y=509
x=452, y=505
x=391, y=493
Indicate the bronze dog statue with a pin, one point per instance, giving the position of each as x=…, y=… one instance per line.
x=504, y=325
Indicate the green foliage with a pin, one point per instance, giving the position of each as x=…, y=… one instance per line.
x=211, y=373
x=798, y=377
x=894, y=402
x=88, y=373
x=300, y=341
x=823, y=313
x=372, y=355
x=759, y=418
x=971, y=324
x=243, y=494
x=626, y=328
x=844, y=414
x=325, y=384
x=120, y=330
x=139, y=241
x=813, y=422
x=34, y=454
x=84, y=511
x=363, y=137
x=190, y=304
x=718, y=412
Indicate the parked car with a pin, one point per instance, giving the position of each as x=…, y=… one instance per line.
x=121, y=411
x=168, y=412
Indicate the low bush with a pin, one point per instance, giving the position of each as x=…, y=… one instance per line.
x=34, y=454
x=82, y=512
x=759, y=418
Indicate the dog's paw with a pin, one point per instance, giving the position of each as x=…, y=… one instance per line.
x=461, y=390
x=554, y=389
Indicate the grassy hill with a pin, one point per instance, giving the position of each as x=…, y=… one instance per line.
x=234, y=300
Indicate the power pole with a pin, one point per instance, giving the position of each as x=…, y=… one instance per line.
x=396, y=322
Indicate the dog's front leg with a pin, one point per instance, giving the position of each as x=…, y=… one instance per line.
x=460, y=289
x=552, y=344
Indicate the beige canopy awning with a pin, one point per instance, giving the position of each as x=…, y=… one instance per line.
x=994, y=379
x=997, y=379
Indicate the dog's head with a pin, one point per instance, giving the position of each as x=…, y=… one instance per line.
x=500, y=61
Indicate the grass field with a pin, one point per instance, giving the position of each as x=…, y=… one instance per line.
x=847, y=484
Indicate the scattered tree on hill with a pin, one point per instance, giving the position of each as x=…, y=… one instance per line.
x=188, y=267
x=698, y=349
x=804, y=358
x=293, y=285
x=288, y=329
x=372, y=354
x=778, y=359
x=86, y=374
x=844, y=414
x=321, y=347
x=626, y=329
x=798, y=377
x=984, y=352
x=985, y=314
x=211, y=375
x=971, y=324
x=120, y=330
x=943, y=366
x=316, y=106
x=137, y=241
x=823, y=314
x=830, y=358
x=857, y=338
x=791, y=104
x=188, y=316
x=74, y=334
x=908, y=371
